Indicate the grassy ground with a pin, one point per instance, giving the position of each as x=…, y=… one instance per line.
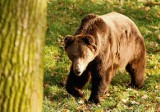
x=63, y=18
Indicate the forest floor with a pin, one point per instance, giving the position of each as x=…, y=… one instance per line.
x=63, y=18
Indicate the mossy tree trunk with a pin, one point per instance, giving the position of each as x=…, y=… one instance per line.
x=22, y=31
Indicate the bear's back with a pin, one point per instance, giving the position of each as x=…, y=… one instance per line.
x=119, y=23
x=125, y=37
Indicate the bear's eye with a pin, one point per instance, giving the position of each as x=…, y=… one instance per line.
x=84, y=52
x=74, y=55
x=92, y=47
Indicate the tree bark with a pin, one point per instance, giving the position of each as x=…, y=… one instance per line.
x=22, y=31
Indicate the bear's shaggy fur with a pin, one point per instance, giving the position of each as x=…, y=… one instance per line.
x=101, y=45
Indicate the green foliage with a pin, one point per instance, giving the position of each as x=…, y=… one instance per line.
x=64, y=16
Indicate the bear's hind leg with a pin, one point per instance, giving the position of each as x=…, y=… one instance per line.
x=136, y=70
x=75, y=83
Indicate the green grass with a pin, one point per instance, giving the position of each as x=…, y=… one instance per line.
x=64, y=17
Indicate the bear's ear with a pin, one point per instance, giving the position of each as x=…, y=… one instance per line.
x=88, y=39
x=68, y=40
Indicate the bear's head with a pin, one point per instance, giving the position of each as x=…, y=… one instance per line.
x=81, y=51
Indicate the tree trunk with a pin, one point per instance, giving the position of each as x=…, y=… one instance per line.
x=22, y=31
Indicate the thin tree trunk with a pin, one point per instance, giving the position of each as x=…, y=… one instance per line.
x=22, y=30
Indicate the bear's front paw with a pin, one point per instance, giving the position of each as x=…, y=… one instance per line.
x=94, y=99
x=135, y=86
x=79, y=93
x=75, y=92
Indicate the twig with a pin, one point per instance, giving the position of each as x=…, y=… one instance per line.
x=150, y=4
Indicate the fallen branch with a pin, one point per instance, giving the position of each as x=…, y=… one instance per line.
x=150, y=4
x=157, y=50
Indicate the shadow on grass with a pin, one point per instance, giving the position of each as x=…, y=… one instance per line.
x=54, y=77
x=151, y=82
x=54, y=85
x=123, y=80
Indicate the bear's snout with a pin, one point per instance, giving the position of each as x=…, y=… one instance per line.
x=78, y=67
x=77, y=71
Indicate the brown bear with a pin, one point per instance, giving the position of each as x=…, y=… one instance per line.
x=101, y=45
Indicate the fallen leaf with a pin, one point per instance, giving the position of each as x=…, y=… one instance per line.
x=158, y=37
x=157, y=109
x=131, y=97
x=124, y=100
x=80, y=102
x=65, y=110
x=153, y=44
x=144, y=97
x=134, y=103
